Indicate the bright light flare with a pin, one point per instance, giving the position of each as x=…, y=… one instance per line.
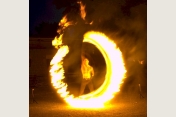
x=115, y=73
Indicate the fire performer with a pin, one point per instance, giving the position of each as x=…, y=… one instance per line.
x=87, y=75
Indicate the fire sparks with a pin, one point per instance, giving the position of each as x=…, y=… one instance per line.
x=113, y=79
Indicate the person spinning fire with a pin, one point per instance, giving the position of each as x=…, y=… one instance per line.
x=87, y=75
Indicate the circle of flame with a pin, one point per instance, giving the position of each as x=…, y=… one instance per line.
x=115, y=73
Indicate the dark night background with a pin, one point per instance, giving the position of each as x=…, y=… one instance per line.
x=124, y=21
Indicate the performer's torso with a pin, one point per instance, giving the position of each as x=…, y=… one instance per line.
x=86, y=71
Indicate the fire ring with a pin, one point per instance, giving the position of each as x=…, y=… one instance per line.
x=115, y=73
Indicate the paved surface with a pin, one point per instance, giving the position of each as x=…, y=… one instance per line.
x=50, y=105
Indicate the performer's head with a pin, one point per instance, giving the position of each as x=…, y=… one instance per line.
x=86, y=61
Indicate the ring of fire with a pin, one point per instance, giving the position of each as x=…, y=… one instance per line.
x=115, y=73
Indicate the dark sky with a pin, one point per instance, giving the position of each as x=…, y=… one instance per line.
x=46, y=11
x=42, y=11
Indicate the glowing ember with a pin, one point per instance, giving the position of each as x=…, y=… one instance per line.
x=113, y=78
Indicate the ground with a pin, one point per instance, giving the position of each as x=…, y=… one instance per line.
x=49, y=104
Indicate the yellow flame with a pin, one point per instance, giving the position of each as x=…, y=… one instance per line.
x=64, y=22
x=113, y=79
x=57, y=41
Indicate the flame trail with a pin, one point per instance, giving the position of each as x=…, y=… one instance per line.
x=113, y=79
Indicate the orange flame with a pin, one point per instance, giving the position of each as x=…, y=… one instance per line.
x=65, y=23
x=91, y=23
x=113, y=78
x=82, y=10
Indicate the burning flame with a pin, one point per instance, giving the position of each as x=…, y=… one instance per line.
x=57, y=41
x=64, y=23
x=113, y=78
x=82, y=10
